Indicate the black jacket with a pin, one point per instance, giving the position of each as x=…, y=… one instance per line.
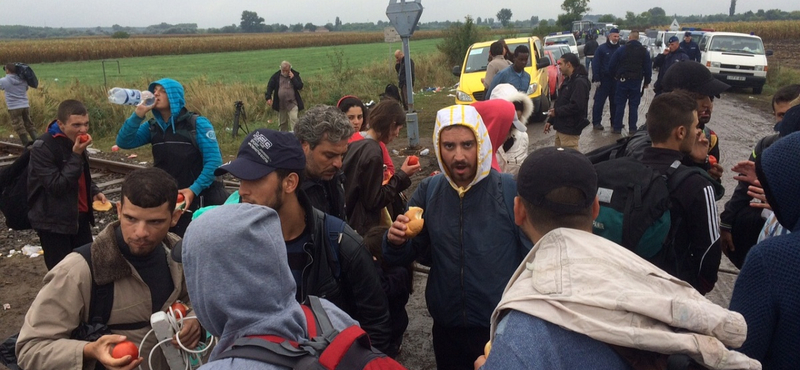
x=326, y=195
x=358, y=289
x=400, y=68
x=53, y=175
x=273, y=86
x=572, y=105
x=365, y=194
x=691, y=49
x=697, y=252
x=590, y=47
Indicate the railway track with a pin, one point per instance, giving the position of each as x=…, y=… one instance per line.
x=105, y=173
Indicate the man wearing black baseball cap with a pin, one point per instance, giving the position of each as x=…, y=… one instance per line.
x=690, y=47
x=696, y=79
x=578, y=293
x=270, y=167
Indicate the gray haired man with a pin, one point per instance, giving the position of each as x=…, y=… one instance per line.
x=283, y=95
x=324, y=131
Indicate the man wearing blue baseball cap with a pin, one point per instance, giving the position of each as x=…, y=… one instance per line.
x=270, y=166
x=672, y=54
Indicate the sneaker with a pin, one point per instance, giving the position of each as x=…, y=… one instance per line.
x=599, y=127
x=618, y=132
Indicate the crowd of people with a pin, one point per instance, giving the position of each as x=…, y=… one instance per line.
x=517, y=278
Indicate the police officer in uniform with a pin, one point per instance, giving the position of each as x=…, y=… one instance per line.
x=602, y=57
x=630, y=65
x=690, y=47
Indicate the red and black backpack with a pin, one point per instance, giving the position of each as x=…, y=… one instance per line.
x=326, y=347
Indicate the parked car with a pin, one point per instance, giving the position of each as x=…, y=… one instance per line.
x=738, y=59
x=555, y=78
x=470, y=88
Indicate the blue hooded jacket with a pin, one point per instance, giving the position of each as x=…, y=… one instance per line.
x=246, y=290
x=767, y=291
x=135, y=132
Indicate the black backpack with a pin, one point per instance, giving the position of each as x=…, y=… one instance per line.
x=26, y=73
x=635, y=204
x=326, y=347
x=14, y=192
x=629, y=146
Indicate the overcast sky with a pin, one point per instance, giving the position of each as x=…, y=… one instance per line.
x=218, y=13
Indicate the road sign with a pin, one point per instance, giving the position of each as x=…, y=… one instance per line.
x=404, y=15
x=390, y=35
x=674, y=26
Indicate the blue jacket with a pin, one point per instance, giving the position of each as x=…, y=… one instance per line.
x=528, y=342
x=521, y=81
x=691, y=49
x=767, y=291
x=616, y=62
x=469, y=237
x=135, y=132
x=601, y=59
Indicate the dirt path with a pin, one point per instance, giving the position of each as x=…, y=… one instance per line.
x=738, y=124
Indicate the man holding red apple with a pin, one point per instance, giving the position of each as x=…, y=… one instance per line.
x=59, y=183
x=132, y=254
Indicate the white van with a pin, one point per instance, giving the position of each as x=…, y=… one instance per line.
x=738, y=59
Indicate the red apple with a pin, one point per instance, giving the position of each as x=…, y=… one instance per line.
x=125, y=348
x=413, y=160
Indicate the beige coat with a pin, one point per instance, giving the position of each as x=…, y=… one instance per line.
x=63, y=303
x=587, y=284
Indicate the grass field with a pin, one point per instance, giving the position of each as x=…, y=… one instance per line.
x=242, y=66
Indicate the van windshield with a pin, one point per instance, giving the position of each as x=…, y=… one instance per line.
x=477, y=59
x=737, y=44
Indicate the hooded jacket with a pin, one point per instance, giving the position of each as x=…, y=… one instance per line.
x=767, y=291
x=64, y=300
x=357, y=291
x=514, y=150
x=16, y=89
x=259, y=294
x=589, y=285
x=572, y=105
x=498, y=116
x=469, y=237
x=54, y=176
x=173, y=148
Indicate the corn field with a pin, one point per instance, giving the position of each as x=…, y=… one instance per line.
x=767, y=30
x=96, y=48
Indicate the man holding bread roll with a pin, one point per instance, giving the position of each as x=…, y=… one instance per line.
x=468, y=237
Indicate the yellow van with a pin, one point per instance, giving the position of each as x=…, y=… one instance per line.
x=470, y=88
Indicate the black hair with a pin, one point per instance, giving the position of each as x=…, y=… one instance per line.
x=669, y=111
x=385, y=117
x=150, y=188
x=349, y=102
x=521, y=49
x=71, y=107
x=571, y=59
x=496, y=48
x=546, y=220
x=786, y=94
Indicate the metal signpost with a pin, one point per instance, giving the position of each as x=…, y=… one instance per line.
x=404, y=16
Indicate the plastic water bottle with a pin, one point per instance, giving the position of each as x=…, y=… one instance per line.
x=119, y=95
